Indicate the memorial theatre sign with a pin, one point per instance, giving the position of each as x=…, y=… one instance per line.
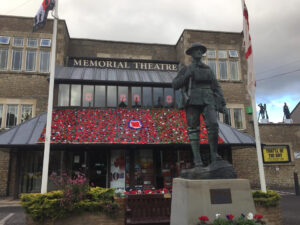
x=123, y=64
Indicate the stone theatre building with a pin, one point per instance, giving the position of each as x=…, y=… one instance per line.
x=115, y=114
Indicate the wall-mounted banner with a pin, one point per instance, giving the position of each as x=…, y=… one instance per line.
x=117, y=169
x=122, y=64
x=276, y=154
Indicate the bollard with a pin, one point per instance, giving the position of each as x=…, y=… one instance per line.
x=297, y=191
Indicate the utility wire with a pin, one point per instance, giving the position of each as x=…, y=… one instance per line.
x=268, y=70
x=12, y=10
x=278, y=75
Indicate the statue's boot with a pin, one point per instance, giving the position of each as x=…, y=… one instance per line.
x=199, y=166
x=218, y=168
x=213, y=145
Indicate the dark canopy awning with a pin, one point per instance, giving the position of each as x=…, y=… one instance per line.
x=114, y=75
x=115, y=126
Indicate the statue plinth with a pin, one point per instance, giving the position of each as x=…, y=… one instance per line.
x=288, y=121
x=194, y=198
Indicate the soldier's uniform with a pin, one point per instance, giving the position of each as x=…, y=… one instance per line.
x=205, y=96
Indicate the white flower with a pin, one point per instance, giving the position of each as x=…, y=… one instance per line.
x=218, y=215
x=250, y=216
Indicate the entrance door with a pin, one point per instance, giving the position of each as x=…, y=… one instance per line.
x=98, y=168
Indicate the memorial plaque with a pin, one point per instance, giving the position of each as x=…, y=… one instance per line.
x=220, y=196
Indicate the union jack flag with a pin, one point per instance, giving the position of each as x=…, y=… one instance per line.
x=42, y=14
x=251, y=85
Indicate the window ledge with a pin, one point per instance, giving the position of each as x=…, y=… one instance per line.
x=24, y=72
x=230, y=81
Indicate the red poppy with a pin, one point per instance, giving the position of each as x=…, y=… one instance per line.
x=230, y=216
x=258, y=216
x=203, y=219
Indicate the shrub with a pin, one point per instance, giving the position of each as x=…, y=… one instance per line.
x=41, y=207
x=270, y=198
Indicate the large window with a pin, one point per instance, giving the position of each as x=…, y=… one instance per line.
x=75, y=95
x=136, y=96
x=88, y=96
x=238, y=120
x=122, y=96
x=44, y=61
x=63, y=95
x=234, y=73
x=30, y=60
x=111, y=96
x=100, y=96
x=116, y=96
x=158, y=97
x=212, y=64
x=234, y=117
x=17, y=59
x=11, y=116
x=26, y=113
x=147, y=96
x=223, y=69
x=169, y=97
x=3, y=58
x=227, y=117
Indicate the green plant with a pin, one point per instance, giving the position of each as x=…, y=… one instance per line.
x=267, y=199
x=47, y=206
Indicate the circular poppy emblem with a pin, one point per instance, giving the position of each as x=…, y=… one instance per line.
x=136, y=98
x=123, y=97
x=169, y=99
x=135, y=124
x=88, y=97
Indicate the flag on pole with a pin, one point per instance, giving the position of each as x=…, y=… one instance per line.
x=251, y=85
x=42, y=14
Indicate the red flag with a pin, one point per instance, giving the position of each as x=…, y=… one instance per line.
x=248, y=51
x=41, y=16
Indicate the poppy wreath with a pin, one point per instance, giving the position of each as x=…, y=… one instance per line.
x=155, y=126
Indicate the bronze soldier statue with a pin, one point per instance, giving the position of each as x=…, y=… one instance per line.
x=202, y=94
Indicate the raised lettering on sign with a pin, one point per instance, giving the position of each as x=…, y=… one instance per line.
x=220, y=196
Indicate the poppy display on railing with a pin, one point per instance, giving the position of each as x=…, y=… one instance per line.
x=117, y=126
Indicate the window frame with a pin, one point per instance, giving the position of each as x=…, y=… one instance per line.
x=231, y=108
x=6, y=42
x=7, y=51
x=18, y=45
x=40, y=61
x=45, y=39
x=35, y=60
x=32, y=46
x=233, y=55
x=12, y=59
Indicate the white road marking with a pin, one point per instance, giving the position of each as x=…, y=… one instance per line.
x=2, y=222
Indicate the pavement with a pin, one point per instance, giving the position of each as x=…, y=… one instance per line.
x=11, y=212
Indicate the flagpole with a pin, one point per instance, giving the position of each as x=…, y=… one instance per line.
x=251, y=89
x=50, y=104
x=258, y=147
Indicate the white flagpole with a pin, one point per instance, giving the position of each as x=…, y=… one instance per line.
x=251, y=90
x=258, y=147
x=50, y=104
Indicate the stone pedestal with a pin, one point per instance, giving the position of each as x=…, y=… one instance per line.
x=264, y=120
x=288, y=121
x=194, y=198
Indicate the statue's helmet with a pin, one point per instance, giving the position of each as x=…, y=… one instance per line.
x=195, y=45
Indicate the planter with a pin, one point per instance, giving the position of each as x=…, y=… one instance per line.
x=83, y=218
x=272, y=214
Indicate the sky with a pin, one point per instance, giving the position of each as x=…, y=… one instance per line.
x=274, y=28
